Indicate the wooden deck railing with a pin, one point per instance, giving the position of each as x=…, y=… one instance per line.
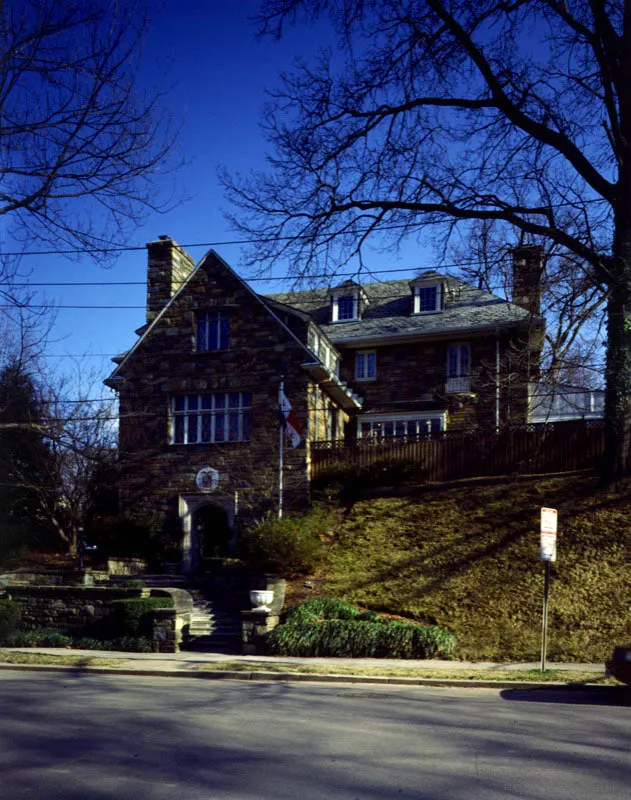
x=449, y=456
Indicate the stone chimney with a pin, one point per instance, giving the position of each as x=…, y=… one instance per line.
x=169, y=265
x=527, y=274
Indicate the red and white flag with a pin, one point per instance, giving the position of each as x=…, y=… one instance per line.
x=289, y=419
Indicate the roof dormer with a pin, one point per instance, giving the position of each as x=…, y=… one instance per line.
x=428, y=293
x=348, y=301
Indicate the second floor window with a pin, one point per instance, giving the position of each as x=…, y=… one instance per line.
x=213, y=331
x=458, y=368
x=366, y=366
x=218, y=417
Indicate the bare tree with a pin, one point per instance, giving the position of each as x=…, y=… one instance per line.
x=51, y=446
x=79, y=142
x=449, y=114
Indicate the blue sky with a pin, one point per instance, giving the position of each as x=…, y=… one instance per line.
x=215, y=72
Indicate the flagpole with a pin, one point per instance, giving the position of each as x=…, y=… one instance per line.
x=281, y=424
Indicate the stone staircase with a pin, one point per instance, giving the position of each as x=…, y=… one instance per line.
x=219, y=596
x=215, y=625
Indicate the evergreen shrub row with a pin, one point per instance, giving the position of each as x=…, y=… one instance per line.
x=47, y=637
x=333, y=628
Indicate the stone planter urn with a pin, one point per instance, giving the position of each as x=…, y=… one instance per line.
x=261, y=599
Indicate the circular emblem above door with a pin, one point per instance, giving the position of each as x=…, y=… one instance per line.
x=207, y=479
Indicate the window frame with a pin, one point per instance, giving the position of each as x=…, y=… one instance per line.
x=353, y=294
x=221, y=327
x=363, y=374
x=438, y=304
x=458, y=380
x=404, y=421
x=206, y=411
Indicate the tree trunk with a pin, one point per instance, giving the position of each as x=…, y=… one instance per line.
x=618, y=364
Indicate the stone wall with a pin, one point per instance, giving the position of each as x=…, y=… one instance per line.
x=75, y=609
x=156, y=472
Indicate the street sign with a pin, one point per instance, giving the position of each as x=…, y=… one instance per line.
x=548, y=540
x=547, y=553
x=549, y=518
x=548, y=546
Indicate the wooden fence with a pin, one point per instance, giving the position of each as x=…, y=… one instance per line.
x=449, y=456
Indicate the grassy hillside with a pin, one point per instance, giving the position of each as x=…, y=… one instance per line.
x=467, y=557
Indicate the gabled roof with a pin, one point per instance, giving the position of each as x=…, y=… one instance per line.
x=342, y=392
x=389, y=314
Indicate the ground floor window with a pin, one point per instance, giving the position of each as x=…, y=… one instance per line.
x=390, y=425
x=218, y=417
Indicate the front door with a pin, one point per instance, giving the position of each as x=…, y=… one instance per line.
x=211, y=534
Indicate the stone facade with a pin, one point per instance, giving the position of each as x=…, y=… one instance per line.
x=411, y=377
x=291, y=338
x=158, y=475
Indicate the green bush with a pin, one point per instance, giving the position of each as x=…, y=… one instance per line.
x=133, y=617
x=130, y=644
x=40, y=637
x=291, y=546
x=9, y=619
x=334, y=628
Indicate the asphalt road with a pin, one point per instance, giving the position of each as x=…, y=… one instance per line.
x=115, y=738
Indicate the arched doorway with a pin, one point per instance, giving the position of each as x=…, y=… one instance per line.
x=207, y=528
x=211, y=533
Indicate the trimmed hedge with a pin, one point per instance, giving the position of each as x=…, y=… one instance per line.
x=9, y=619
x=133, y=617
x=47, y=637
x=334, y=628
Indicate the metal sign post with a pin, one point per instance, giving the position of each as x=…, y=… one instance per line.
x=547, y=553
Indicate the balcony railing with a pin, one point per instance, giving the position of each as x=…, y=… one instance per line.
x=459, y=384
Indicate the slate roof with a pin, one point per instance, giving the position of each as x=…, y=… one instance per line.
x=388, y=314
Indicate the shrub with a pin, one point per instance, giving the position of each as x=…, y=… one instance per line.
x=9, y=619
x=129, y=644
x=132, y=644
x=333, y=628
x=289, y=546
x=133, y=617
x=323, y=608
x=40, y=637
x=90, y=643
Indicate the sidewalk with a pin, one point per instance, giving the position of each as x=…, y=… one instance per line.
x=191, y=664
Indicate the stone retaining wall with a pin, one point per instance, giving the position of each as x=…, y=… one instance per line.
x=73, y=608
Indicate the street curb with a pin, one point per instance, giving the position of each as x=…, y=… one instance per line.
x=289, y=677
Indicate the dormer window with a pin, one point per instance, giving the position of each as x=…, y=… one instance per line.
x=346, y=307
x=427, y=296
x=347, y=302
